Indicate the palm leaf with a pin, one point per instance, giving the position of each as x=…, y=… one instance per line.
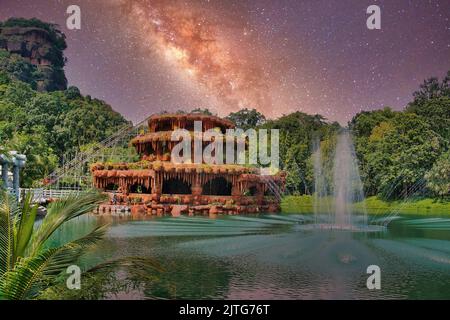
x=33, y=274
x=62, y=211
x=72, y=251
x=25, y=226
x=6, y=234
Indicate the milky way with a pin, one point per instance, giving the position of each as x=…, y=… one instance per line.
x=197, y=42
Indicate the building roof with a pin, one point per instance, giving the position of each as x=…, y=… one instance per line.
x=190, y=117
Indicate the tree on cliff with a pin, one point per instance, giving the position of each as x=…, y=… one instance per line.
x=18, y=36
x=46, y=125
x=56, y=36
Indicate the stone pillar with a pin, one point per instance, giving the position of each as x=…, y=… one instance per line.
x=157, y=186
x=16, y=180
x=18, y=163
x=235, y=191
x=4, y=164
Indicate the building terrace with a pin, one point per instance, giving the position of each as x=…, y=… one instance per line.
x=156, y=185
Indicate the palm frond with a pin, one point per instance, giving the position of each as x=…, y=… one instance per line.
x=34, y=273
x=25, y=225
x=72, y=251
x=62, y=211
x=6, y=234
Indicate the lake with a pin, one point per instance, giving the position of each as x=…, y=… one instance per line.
x=276, y=257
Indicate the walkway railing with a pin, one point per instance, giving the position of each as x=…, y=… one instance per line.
x=43, y=195
x=77, y=166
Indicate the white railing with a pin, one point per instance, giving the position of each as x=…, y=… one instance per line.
x=77, y=163
x=42, y=195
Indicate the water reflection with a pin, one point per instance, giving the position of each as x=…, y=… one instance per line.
x=273, y=257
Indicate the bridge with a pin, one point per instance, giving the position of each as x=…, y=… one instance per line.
x=74, y=171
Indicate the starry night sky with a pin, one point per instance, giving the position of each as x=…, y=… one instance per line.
x=145, y=56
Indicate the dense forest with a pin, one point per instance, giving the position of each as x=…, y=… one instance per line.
x=47, y=125
x=401, y=153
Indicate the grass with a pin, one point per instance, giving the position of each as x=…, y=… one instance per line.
x=374, y=205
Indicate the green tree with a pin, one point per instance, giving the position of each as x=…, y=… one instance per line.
x=438, y=178
x=245, y=118
x=361, y=126
x=41, y=160
x=297, y=130
x=294, y=179
x=436, y=111
x=46, y=126
x=432, y=102
x=363, y=123
x=432, y=88
x=18, y=93
x=399, y=153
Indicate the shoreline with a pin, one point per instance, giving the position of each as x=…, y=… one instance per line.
x=374, y=205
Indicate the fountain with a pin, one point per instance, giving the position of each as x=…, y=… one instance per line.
x=348, y=187
x=334, y=197
x=320, y=186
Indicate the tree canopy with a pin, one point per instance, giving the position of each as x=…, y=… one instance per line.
x=400, y=152
x=245, y=118
x=47, y=125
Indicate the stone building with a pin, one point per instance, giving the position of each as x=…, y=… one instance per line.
x=157, y=185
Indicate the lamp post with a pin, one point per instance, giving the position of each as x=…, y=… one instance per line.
x=17, y=161
x=5, y=164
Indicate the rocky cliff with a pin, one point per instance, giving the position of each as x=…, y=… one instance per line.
x=40, y=44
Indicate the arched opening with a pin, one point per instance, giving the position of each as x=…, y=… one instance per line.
x=148, y=149
x=139, y=188
x=164, y=125
x=176, y=186
x=217, y=187
x=112, y=187
x=253, y=191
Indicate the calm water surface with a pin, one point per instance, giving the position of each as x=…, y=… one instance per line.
x=276, y=257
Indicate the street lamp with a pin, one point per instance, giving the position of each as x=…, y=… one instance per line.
x=17, y=162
